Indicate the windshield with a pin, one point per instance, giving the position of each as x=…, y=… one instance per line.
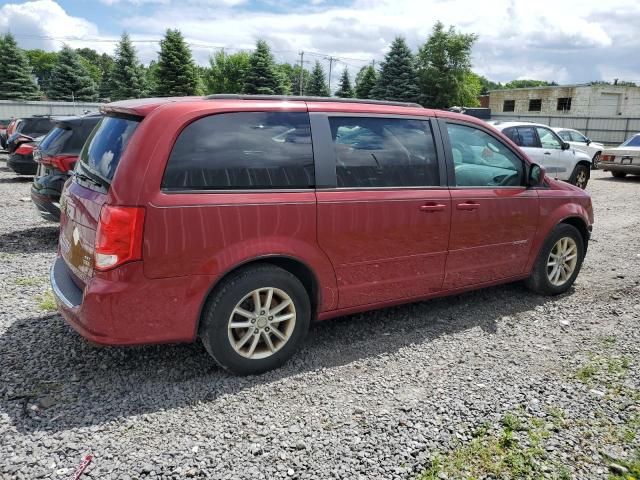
x=632, y=142
x=104, y=147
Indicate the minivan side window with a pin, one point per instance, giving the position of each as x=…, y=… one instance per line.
x=243, y=150
x=375, y=152
x=481, y=160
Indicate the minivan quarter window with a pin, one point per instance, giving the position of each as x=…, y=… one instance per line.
x=375, y=152
x=481, y=160
x=243, y=150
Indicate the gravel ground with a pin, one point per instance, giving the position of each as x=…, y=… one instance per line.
x=548, y=386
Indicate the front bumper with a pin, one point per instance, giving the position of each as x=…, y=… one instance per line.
x=618, y=167
x=22, y=164
x=123, y=307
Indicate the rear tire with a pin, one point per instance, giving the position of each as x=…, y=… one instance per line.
x=580, y=176
x=556, y=269
x=255, y=320
x=619, y=174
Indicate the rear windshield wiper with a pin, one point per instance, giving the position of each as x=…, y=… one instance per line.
x=89, y=179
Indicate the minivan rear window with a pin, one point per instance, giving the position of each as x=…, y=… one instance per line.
x=104, y=147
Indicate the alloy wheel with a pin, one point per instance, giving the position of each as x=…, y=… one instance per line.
x=262, y=323
x=562, y=261
x=582, y=178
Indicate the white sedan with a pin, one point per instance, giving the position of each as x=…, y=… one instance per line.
x=623, y=159
x=582, y=143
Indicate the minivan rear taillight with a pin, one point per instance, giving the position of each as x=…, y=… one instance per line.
x=119, y=236
x=64, y=163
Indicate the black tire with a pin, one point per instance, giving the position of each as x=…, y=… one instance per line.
x=595, y=161
x=619, y=174
x=539, y=280
x=222, y=302
x=580, y=176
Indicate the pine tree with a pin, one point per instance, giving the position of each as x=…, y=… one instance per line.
x=262, y=76
x=176, y=74
x=345, y=90
x=16, y=81
x=104, y=90
x=317, y=86
x=127, y=79
x=70, y=80
x=398, y=78
x=366, y=81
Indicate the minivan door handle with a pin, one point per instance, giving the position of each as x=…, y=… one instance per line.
x=432, y=207
x=468, y=206
x=547, y=153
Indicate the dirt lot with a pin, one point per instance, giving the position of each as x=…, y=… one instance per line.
x=498, y=383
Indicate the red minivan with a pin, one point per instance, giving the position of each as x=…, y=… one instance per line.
x=240, y=219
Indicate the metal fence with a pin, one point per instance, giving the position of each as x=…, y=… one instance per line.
x=608, y=130
x=18, y=109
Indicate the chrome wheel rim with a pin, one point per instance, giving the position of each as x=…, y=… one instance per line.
x=262, y=323
x=581, y=179
x=562, y=261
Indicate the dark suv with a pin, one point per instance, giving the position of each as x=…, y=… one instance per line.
x=238, y=220
x=56, y=156
x=21, y=143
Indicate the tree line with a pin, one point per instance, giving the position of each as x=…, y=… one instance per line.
x=437, y=75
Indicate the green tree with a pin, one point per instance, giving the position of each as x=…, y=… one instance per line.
x=126, y=77
x=151, y=77
x=16, y=78
x=262, y=76
x=92, y=62
x=397, y=80
x=317, y=82
x=345, y=90
x=366, y=81
x=176, y=73
x=299, y=75
x=443, y=63
x=70, y=79
x=524, y=83
x=470, y=91
x=487, y=85
x=227, y=72
x=42, y=64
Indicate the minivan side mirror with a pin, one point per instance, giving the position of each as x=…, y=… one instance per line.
x=536, y=175
x=565, y=146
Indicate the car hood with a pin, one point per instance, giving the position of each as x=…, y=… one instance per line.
x=581, y=155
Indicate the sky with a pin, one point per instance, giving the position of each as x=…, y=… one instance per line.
x=568, y=41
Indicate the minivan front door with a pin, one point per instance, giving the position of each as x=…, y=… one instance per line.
x=494, y=216
x=384, y=223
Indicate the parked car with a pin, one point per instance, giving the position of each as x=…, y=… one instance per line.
x=27, y=132
x=56, y=156
x=20, y=158
x=582, y=143
x=240, y=219
x=624, y=159
x=546, y=148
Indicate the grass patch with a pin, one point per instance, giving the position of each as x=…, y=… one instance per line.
x=513, y=452
x=29, y=281
x=633, y=467
x=618, y=366
x=46, y=302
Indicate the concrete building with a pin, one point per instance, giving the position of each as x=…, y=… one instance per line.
x=570, y=100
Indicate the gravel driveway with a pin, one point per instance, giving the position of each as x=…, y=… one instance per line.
x=498, y=383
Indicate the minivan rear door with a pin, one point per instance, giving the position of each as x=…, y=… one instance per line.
x=83, y=198
x=383, y=215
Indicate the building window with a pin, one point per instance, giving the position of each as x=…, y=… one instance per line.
x=564, y=104
x=509, y=106
x=535, y=105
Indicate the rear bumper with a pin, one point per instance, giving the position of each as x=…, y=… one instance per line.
x=22, y=164
x=617, y=167
x=47, y=206
x=45, y=195
x=123, y=307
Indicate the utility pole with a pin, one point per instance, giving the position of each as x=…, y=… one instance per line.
x=301, y=71
x=331, y=60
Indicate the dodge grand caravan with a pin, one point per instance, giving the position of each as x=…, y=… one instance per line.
x=238, y=220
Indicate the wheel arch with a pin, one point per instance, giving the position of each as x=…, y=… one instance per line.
x=300, y=269
x=580, y=224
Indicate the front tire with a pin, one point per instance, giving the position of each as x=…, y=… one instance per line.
x=558, y=262
x=595, y=161
x=580, y=176
x=619, y=174
x=255, y=320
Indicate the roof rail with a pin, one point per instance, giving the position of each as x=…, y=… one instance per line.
x=289, y=98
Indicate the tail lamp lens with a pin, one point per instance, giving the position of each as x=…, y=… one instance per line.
x=119, y=236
